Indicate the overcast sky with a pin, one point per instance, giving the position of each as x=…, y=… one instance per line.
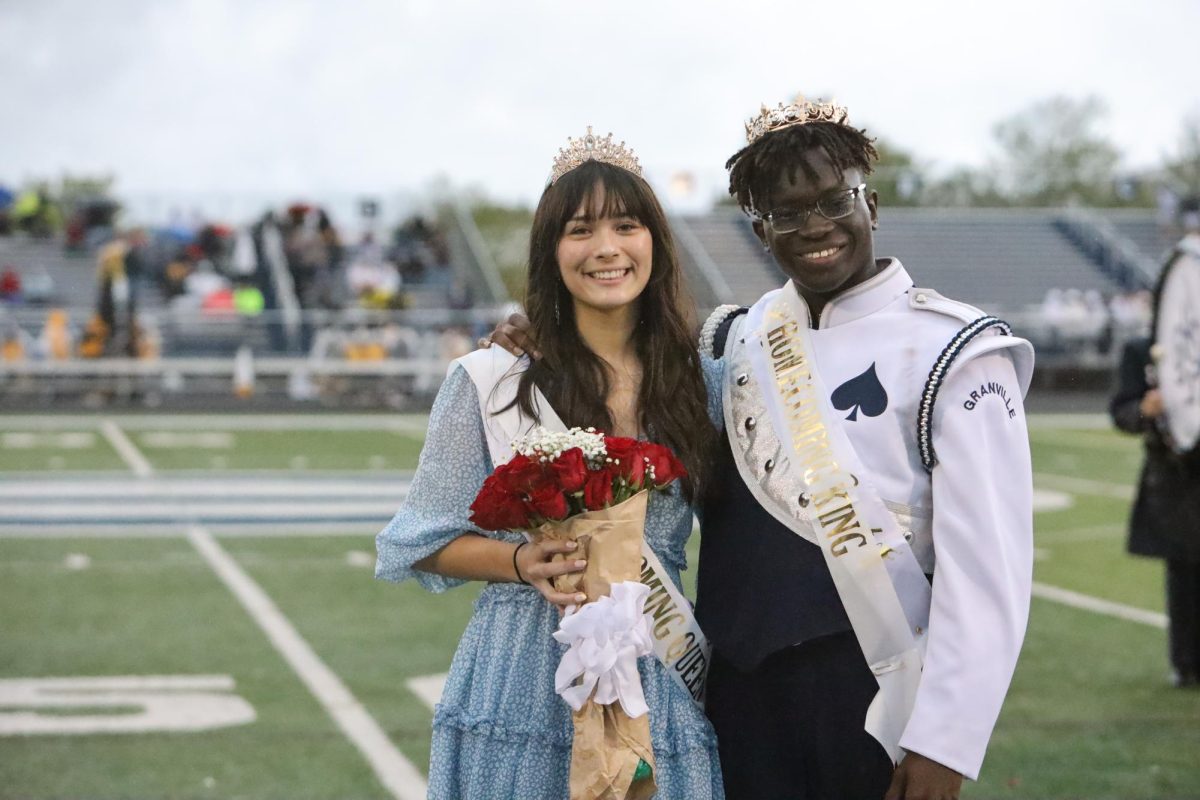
x=265, y=97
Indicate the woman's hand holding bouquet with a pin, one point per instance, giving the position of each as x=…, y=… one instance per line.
x=589, y=490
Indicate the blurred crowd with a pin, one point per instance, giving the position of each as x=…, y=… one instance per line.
x=1078, y=322
x=300, y=253
x=292, y=260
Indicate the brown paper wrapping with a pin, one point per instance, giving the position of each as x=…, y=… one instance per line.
x=607, y=744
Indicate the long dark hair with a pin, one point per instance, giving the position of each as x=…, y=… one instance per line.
x=576, y=381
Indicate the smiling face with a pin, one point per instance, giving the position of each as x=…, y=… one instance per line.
x=604, y=261
x=824, y=257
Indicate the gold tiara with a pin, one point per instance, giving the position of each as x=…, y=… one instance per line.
x=592, y=148
x=799, y=112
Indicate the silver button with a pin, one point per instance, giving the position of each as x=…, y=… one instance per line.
x=908, y=536
x=803, y=500
x=750, y=423
x=743, y=379
x=770, y=465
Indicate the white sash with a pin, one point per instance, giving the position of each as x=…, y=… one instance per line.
x=882, y=587
x=678, y=641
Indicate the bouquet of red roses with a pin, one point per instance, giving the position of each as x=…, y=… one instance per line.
x=592, y=489
x=554, y=476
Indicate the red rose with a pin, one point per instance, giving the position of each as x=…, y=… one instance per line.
x=522, y=474
x=598, y=491
x=571, y=470
x=626, y=455
x=663, y=462
x=548, y=502
x=497, y=509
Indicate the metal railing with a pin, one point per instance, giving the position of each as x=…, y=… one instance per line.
x=1116, y=254
x=482, y=257
x=709, y=271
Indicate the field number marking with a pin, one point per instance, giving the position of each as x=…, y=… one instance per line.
x=163, y=703
x=394, y=771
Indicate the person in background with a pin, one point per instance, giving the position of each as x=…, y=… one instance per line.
x=1165, y=519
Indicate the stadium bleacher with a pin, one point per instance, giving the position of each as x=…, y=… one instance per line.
x=727, y=238
x=71, y=276
x=1142, y=228
x=998, y=259
x=1002, y=260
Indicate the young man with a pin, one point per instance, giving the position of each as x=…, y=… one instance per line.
x=872, y=428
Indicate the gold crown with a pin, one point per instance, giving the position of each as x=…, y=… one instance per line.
x=799, y=112
x=592, y=148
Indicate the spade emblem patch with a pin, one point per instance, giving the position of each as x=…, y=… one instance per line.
x=862, y=393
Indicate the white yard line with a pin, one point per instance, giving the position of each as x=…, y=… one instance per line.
x=428, y=688
x=1096, y=605
x=394, y=771
x=126, y=449
x=1091, y=533
x=1078, y=422
x=1067, y=483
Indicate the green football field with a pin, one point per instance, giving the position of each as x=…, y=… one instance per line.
x=187, y=610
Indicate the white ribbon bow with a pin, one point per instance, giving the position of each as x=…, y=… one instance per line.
x=604, y=641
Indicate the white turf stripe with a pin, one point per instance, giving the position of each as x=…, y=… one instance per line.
x=428, y=688
x=126, y=449
x=1098, y=606
x=250, y=486
x=99, y=511
x=1091, y=533
x=1067, y=483
x=391, y=767
x=255, y=529
x=1049, y=500
x=234, y=422
x=1078, y=422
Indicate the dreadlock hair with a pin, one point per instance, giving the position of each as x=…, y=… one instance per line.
x=671, y=399
x=754, y=170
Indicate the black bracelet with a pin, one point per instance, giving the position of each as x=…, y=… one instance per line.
x=517, y=569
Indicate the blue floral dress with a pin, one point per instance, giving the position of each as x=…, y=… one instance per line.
x=500, y=730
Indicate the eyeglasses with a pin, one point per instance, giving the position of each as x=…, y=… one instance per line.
x=834, y=205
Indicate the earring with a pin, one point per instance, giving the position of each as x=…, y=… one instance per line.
x=557, y=319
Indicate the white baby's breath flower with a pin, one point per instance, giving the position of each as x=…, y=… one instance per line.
x=548, y=445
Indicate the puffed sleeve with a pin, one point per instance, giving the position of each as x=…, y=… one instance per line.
x=453, y=465
x=983, y=543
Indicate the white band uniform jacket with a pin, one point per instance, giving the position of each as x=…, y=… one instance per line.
x=874, y=346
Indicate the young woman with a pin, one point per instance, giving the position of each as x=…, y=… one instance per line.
x=604, y=300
